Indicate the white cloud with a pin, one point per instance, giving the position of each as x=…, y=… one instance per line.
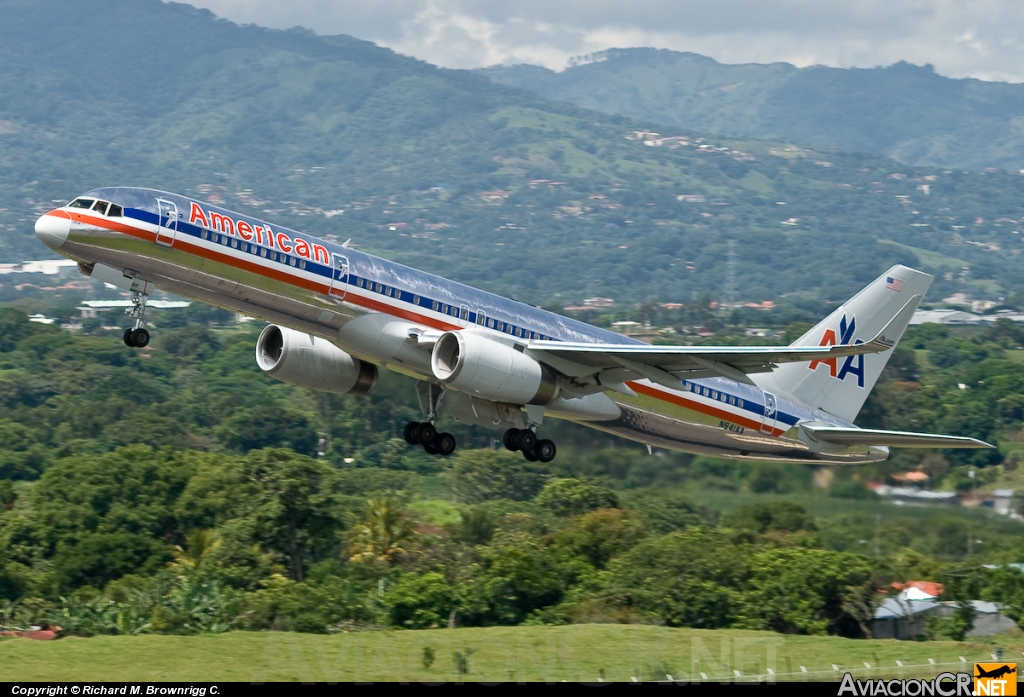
x=975, y=38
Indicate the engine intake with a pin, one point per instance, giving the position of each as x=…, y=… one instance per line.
x=313, y=363
x=474, y=364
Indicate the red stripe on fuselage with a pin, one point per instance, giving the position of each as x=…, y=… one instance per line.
x=700, y=407
x=187, y=246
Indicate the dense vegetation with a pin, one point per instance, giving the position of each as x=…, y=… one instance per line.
x=449, y=172
x=176, y=489
x=904, y=111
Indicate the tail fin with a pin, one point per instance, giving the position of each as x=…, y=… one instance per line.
x=840, y=386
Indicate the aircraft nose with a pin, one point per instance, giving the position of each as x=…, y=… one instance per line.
x=53, y=229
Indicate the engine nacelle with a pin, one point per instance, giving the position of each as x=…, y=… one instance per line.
x=313, y=363
x=474, y=364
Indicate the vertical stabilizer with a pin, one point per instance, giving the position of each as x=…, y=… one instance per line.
x=840, y=386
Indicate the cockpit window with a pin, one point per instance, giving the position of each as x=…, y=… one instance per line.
x=115, y=211
x=100, y=207
x=82, y=203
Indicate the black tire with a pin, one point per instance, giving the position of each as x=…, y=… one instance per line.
x=140, y=337
x=430, y=448
x=530, y=455
x=426, y=433
x=128, y=339
x=526, y=440
x=445, y=444
x=545, y=450
x=409, y=432
x=509, y=439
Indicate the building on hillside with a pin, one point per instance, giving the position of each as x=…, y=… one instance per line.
x=958, y=317
x=907, y=494
x=903, y=618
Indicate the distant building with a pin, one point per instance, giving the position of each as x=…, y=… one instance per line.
x=949, y=317
x=903, y=618
x=49, y=267
x=906, y=494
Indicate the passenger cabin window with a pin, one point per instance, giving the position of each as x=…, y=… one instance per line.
x=100, y=207
x=481, y=318
x=82, y=203
x=464, y=313
x=115, y=211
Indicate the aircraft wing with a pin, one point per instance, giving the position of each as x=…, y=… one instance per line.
x=902, y=439
x=667, y=365
x=672, y=363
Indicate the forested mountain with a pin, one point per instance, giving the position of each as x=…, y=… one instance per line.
x=447, y=171
x=904, y=111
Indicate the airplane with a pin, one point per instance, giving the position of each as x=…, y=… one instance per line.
x=337, y=314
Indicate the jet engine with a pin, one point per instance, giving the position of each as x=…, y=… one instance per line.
x=312, y=362
x=474, y=364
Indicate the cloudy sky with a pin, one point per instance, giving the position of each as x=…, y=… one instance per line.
x=961, y=38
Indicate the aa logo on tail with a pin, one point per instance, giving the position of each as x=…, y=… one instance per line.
x=852, y=365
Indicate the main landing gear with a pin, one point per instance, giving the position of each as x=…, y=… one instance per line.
x=426, y=435
x=525, y=440
x=137, y=336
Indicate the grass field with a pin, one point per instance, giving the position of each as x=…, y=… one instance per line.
x=573, y=653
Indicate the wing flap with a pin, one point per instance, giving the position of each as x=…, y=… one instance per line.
x=900, y=439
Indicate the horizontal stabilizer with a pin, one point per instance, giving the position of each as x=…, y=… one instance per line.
x=901, y=439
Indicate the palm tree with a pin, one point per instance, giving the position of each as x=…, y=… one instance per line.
x=381, y=532
x=199, y=547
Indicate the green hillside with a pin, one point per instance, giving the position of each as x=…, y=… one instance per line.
x=454, y=174
x=904, y=111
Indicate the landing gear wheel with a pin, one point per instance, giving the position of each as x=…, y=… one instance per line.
x=526, y=440
x=530, y=455
x=409, y=432
x=128, y=337
x=426, y=433
x=545, y=450
x=430, y=448
x=445, y=444
x=509, y=439
x=140, y=337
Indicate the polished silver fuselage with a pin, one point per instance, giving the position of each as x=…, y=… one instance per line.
x=176, y=244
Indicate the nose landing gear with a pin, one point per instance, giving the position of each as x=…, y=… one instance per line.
x=525, y=440
x=137, y=336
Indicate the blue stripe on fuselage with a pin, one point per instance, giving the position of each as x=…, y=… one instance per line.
x=408, y=284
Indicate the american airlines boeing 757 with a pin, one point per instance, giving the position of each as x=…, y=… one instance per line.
x=337, y=314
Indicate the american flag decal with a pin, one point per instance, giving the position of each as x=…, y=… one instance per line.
x=893, y=283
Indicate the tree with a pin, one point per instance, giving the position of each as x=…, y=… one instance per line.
x=293, y=504
x=515, y=576
x=266, y=426
x=381, y=531
x=199, y=548
x=600, y=535
x=484, y=475
x=567, y=497
x=421, y=601
x=779, y=516
x=807, y=591
x=685, y=579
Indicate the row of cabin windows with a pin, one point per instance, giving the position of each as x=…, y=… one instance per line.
x=461, y=312
x=96, y=206
x=254, y=249
x=714, y=394
x=114, y=210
